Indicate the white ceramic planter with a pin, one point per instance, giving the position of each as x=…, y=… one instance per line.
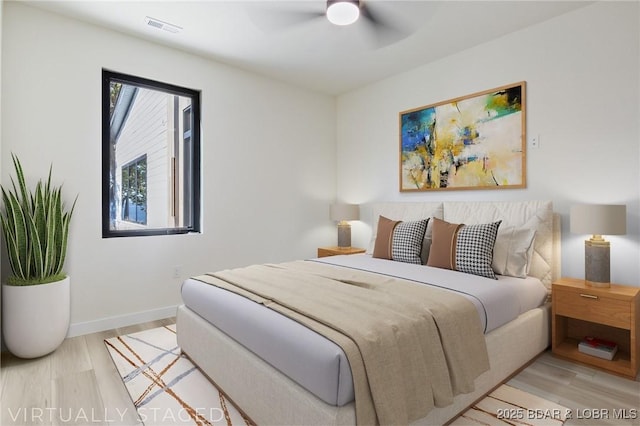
x=35, y=318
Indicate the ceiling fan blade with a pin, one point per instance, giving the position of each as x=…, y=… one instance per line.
x=367, y=13
x=270, y=20
x=384, y=31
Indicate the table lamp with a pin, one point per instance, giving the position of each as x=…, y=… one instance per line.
x=343, y=213
x=598, y=220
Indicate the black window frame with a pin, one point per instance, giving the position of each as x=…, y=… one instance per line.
x=108, y=77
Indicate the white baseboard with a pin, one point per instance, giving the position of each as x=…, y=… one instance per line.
x=82, y=328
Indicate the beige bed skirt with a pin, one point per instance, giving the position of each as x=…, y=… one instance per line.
x=270, y=398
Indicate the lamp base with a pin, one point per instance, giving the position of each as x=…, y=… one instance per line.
x=344, y=235
x=596, y=263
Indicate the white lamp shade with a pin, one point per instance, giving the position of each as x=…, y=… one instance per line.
x=340, y=212
x=599, y=219
x=342, y=12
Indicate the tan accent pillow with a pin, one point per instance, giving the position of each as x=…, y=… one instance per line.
x=443, y=248
x=384, y=239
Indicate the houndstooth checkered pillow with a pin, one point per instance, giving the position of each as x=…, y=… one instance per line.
x=407, y=241
x=474, y=249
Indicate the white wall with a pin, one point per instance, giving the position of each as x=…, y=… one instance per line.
x=583, y=94
x=268, y=162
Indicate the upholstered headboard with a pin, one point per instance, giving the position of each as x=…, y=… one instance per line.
x=538, y=215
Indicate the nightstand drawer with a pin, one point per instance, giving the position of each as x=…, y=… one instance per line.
x=586, y=305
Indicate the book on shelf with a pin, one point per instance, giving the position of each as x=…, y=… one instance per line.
x=598, y=347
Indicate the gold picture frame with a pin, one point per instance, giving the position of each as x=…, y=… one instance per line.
x=476, y=141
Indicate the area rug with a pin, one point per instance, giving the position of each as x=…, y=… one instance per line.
x=167, y=389
x=510, y=406
x=164, y=385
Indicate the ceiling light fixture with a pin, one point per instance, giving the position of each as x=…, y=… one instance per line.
x=156, y=23
x=343, y=12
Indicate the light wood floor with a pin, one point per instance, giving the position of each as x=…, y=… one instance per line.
x=79, y=385
x=589, y=393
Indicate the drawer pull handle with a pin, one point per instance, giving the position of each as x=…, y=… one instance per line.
x=588, y=296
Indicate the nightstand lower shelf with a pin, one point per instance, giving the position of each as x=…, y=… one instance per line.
x=621, y=362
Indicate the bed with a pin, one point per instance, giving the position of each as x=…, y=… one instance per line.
x=280, y=372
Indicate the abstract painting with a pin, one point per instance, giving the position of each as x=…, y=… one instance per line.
x=472, y=142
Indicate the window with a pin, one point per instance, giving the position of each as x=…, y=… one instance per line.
x=150, y=157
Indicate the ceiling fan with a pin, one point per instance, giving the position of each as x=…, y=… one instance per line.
x=384, y=29
x=345, y=12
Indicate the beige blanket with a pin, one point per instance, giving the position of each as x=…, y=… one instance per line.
x=410, y=347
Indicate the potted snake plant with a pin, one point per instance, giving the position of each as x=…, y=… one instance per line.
x=36, y=296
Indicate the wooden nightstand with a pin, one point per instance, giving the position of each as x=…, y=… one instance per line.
x=607, y=313
x=333, y=251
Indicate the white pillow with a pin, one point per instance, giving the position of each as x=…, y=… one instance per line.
x=513, y=251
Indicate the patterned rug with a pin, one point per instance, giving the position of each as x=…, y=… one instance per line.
x=167, y=389
x=510, y=406
x=165, y=386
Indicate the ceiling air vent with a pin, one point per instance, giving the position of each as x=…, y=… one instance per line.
x=156, y=23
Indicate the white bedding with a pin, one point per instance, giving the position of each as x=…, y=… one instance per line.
x=497, y=301
x=318, y=364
